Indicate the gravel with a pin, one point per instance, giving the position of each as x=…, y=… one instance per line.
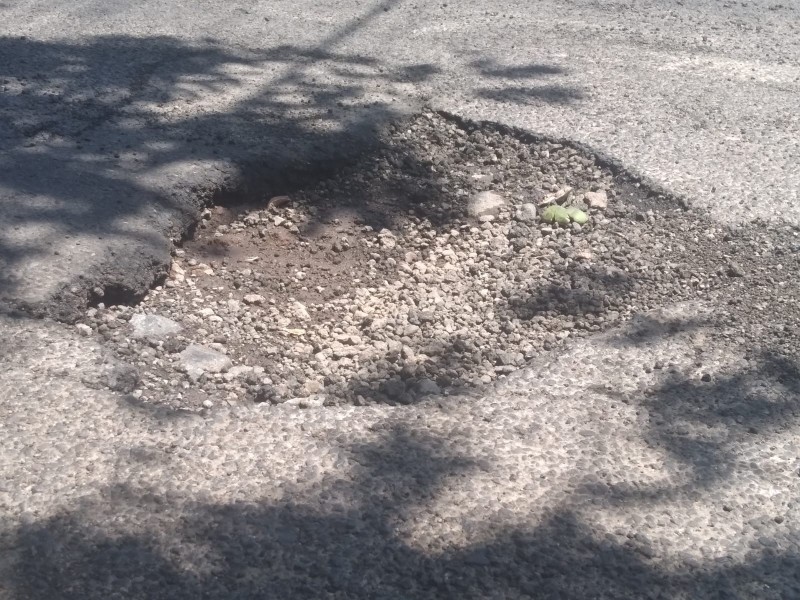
x=425, y=269
x=631, y=479
x=382, y=396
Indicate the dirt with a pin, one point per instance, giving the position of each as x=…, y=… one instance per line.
x=376, y=286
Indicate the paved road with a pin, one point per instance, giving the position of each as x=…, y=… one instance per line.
x=627, y=482
x=120, y=119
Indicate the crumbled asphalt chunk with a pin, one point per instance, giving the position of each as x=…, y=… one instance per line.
x=385, y=283
x=122, y=378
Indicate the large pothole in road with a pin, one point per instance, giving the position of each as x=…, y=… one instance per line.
x=401, y=277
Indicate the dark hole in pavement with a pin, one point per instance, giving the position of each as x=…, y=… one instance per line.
x=114, y=294
x=427, y=266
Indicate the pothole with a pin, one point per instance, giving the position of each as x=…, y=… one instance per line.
x=387, y=283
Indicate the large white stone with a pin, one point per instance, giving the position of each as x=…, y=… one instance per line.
x=153, y=326
x=485, y=203
x=597, y=199
x=197, y=360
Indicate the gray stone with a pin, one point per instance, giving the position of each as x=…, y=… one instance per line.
x=254, y=299
x=312, y=387
x=526, y=213
x=596, y=199
x=388, y=239
x=559, y=197
x=83, y=329
x=197, y=360
x=484, y=204
x=173, y=345
x=122, y=378
x=427, y=386
x=238, y=372
x=153, y=326
x=393, y=388
x=735, y=270
x=267, y=393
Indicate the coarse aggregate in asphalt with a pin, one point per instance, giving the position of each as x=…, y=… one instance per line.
x=653, y=458
x=117, y=127
x=667, y=469
x=643, y=446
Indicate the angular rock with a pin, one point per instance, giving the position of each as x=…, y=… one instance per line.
x=301, y=311
x=735, y=270
x=484, y=204
x=312, y=387
x=153, y=326
x=596, y=199
x=559, y=197
x=254, y=299
x=173, y=345
x=267, y=393
x=238, y=372
x=427, y=386
x=197, y=360
x=314, y=401
x=526, y=213
x=122, y=378
x=388, y=239
x=341, y=245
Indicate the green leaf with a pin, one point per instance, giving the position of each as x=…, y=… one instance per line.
x=555, y=214
x=577, y=215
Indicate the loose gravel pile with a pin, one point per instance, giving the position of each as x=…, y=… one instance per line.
x=428, y=267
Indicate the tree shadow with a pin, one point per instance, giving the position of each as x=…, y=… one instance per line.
x=532, y=95
x=90, y=129
x=647, y=328
x=490, y=68
x=523, y=94
x=86, y=141
x=577, y=293
x=126, y=139
x=701, y=422
x=347, y=540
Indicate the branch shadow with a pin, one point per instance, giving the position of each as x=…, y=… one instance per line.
x=83, y=138
x=531, y=95
x=346, y=541
x=89, y=127
x=490, y=68
x=701, y=423
x=579, y=293
x=113, y=138
x=513, y=89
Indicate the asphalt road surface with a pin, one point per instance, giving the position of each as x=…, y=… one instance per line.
x=119, y=120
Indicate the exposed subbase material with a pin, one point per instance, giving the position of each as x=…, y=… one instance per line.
x=440, y=263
